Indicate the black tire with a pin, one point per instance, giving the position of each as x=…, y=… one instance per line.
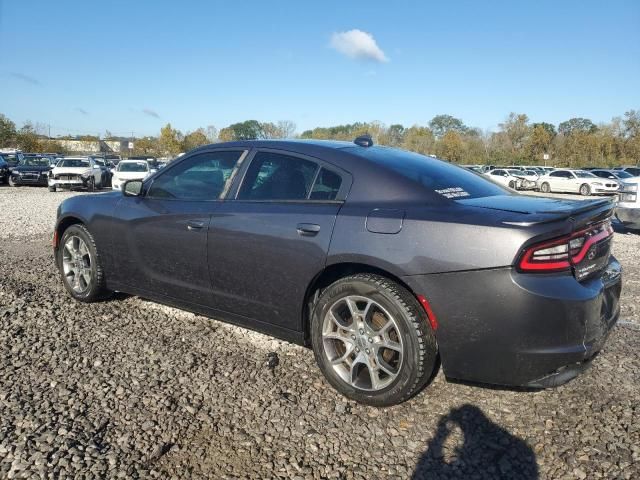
x=585, y=190
x=51, y=188
x=512, y=184
x=96, y=289
x=11, y=182
x=545, y=188
x=420, y=352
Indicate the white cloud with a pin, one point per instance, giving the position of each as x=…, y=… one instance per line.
x=358, y=44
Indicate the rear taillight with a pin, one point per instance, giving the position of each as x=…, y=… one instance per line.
x=561, y=253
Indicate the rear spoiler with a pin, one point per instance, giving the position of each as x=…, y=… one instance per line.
x=589, y=212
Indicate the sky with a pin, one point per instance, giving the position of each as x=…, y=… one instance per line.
x=85, y=67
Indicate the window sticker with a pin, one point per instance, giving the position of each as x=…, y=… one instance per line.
x=453, y=192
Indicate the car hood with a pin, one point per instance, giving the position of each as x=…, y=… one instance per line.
x=526, y=204
x=67, y=170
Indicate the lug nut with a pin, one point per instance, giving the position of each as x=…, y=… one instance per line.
x=357, y=350
x=353, y=337
x=370, y=340
x=361, y=331
x=368, y=351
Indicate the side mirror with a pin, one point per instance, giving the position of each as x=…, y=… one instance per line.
x=132, y=188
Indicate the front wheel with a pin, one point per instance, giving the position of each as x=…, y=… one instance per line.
x=12, y=183
x=51, y=188
x=585, y=190
x=80, y=265
x=545, y=188
x=372, y=340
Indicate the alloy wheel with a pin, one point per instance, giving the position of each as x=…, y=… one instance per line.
x=77, y=264
x=362, y=342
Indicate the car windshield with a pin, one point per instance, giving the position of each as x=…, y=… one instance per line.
x=583, y=174
x=36, y=161
x=73, y=162
x=443, y=178
x=132, y=167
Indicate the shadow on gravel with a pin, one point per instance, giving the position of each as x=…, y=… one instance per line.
x=486, y=450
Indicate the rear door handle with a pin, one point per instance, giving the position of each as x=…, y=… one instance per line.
x=194, y=225
x=308, y=229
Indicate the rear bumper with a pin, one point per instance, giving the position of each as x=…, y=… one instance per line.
x=505, y=328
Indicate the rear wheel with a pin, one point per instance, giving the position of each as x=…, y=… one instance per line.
x=585, y=189
x=372, y=340
x=80, y=266
x=545, y=188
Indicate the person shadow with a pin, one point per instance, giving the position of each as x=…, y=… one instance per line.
x=487, y=451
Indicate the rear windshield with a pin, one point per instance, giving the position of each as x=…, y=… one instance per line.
x=132, y=167
x=438, y=176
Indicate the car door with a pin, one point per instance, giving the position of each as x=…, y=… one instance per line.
x=557, y=181
x=160, y=238
x=271, y=237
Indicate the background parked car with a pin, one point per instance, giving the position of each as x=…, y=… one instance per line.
x=635, y=171
x=577, y=181
x=76, y=172
x=32, y=170
x=504, y=177
x=130, y=170
x=628, y=207
x=4, y=170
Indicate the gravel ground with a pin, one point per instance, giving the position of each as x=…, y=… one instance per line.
x=130, y=389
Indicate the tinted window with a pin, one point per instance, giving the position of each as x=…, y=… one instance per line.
x=272, y=176
x=326, y=186
x=623, y=174
x=633, y=171
x=449, y=181
x=583, y=174
x=560, y=174
x=202, y=177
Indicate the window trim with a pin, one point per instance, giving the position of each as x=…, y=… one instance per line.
x=244, y=153
x=345, y=185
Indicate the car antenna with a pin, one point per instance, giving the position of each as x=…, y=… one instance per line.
x=364, y=140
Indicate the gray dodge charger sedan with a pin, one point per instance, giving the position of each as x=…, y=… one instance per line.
x=387, y=263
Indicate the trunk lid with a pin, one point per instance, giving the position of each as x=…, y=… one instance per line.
x=589, y=220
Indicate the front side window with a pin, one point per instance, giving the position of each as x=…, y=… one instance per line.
x=206, y=176
x=558, y=174
x=273, y=176
x=583, y=174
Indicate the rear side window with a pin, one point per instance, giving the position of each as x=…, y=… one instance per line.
x=273, y=176
x=327, y=185
x=206, y=176
x=443, y=178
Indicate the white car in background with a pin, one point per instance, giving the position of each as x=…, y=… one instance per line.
x=565, y=180
x=76, y=172
x=130, y=170
x=529, y=178
x=504, y=177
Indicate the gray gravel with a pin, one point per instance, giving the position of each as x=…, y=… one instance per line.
x=130, y=389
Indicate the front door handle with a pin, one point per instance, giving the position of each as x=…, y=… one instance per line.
x=308, y=229
x=194, y=225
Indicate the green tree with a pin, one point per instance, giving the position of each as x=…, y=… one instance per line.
x=419, y=139
x=247, y=130
x=539, y=142
x=170, y=140
x=574, y=125
x=27, y=138
x=146, y=146
x=194, y=139
x=441, y=124
x=550, y=129
x=450, y=147
x=7, y=132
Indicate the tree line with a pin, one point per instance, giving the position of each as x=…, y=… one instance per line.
x=573, y=143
